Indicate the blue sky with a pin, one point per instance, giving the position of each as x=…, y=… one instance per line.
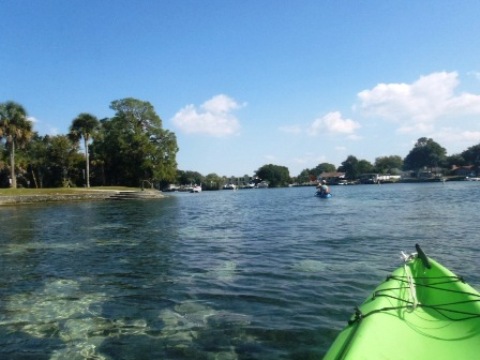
x=253, y=82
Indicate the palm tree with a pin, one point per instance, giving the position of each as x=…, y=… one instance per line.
x=16, y=130
x=84, y=125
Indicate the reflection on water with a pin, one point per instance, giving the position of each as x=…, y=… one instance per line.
x=254, y=274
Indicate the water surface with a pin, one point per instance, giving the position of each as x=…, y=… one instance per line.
x=251, y=274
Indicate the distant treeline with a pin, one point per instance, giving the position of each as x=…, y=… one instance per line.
x=132, y=148
x=425, y=156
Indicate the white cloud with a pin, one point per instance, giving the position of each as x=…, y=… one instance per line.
x=456, y=136
x=418, y=105
x=333, y=123
x=214, y=117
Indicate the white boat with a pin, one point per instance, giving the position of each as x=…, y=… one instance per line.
x=262, y=185
x=229, y=187
x=196, y=189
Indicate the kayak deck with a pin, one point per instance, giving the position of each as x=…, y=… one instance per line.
x=417, y=313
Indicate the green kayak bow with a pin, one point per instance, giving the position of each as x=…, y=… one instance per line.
x=422, y=311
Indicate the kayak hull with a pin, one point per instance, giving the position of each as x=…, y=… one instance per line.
x=323, y=196
x=417, y=313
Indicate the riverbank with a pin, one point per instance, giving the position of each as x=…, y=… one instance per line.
x=31, y=196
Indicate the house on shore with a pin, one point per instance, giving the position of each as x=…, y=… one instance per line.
x=467, y=171
x=332, y=178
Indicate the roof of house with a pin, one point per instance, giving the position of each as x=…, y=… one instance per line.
x=330, y=175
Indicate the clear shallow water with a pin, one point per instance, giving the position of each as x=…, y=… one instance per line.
x=252, y=274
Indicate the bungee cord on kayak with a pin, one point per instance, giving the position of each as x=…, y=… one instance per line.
x=358, y=316
x=422, y=309
x=438, y=307
x=412, y=303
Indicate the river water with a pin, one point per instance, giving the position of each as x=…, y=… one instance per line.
x=250, y=274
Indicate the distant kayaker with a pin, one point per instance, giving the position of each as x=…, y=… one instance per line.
x=323, y=188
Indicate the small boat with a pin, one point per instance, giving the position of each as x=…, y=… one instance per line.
x=262, y=185
x=196, y=189
x=422, y=311
x=229, y=187
x=323, y=195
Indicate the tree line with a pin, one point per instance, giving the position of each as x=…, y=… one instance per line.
x=127, y=149
x=426, y=155
x=132, y=147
